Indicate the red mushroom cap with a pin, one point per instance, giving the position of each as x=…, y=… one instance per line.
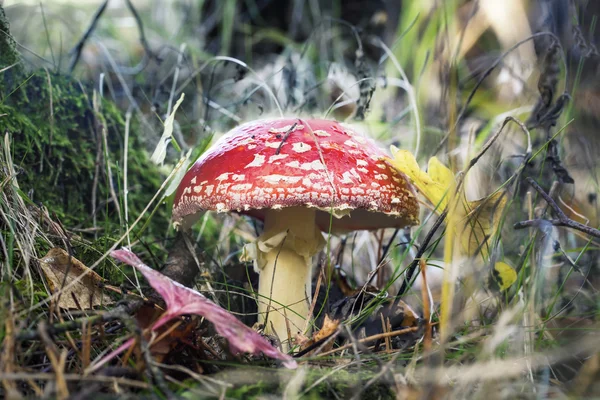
x=271, y=164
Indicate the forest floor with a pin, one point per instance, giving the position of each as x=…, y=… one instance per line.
x=491, y=113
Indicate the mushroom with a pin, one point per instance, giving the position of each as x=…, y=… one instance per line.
x=299, y=176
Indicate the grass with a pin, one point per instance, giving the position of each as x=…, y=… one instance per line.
x=64, y=175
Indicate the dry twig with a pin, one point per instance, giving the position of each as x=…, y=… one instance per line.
x=561, y=220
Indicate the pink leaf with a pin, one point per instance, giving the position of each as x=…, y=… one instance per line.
x=181, y=300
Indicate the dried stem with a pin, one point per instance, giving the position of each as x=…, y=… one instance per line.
x=562, y=219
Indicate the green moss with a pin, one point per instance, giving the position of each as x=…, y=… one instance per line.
x=341, y=383
x=56, y=137
x=8, y=53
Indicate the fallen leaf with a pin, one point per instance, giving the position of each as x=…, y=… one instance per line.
x=481, y=221
x=181, y=300
x=329, y=327
x=85, y=294
x=504, y=275
x=475, y=222
x=434, y=184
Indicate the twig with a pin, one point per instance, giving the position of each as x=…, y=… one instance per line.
x=79, y=46
x=114, y=314
x=371, y=339
x=562, y=219
x=140, y=27
x=285, y=137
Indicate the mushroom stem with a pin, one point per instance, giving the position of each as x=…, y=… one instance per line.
x=284, y=258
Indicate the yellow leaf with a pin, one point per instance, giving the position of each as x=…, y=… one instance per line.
x=84, y=294
x=504, y=275
x=471, y=222
x=434, y=184
x=482, y=220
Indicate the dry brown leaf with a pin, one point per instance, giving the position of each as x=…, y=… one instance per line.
x=84, y=294
x=410, y=317
x=328, y=329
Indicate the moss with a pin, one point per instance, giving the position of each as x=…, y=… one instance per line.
x=56, y=137
x=338, y=384
x=54, y=150
x=8, y=53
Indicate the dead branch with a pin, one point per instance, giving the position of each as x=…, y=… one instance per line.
x=561, y=220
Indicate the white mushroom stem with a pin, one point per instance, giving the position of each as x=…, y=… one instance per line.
x=283, y=256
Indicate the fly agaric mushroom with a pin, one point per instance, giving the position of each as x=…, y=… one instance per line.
x=295, y=174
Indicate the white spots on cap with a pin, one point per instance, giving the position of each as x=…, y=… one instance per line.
x=345, y=190
x=251, y=146
x=209, y=189
x=273, y=145
x=381, y=166
x=241, y=187
x=375, y=184
x=222, y=188
x=238, y=177
x=346, y=178
x=375, y=157
x=193, y=181
x=223, y=177
x=321, y=133
x=277, y=157
x=363, y=170
x=349, y=177
x=380, y=177
x=276, y=179
x=247, y=140
x=355, y=174
x=351, y=143
x=360, y=139
x=221, y=207
x=395, y=200
x=361, y=163
x=197, y=189
x=187, y=190
x=315, y=165
x=307, y=182
x=258, y=161
x=203, y=183
x=356, y=190
x=301, y=147
x=287, y=128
